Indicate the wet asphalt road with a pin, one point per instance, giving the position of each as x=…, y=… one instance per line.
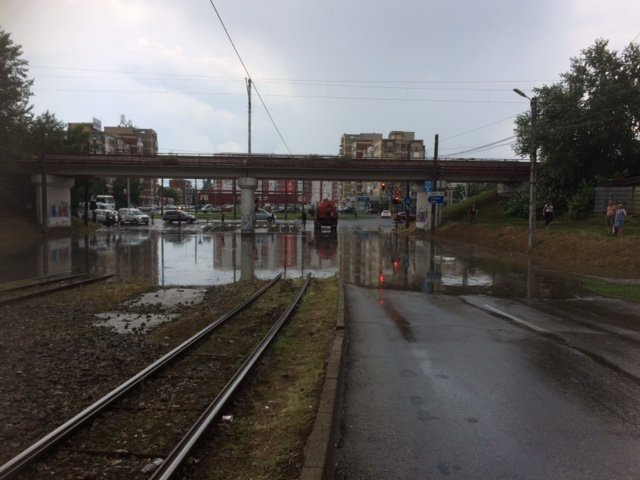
x=470, y=387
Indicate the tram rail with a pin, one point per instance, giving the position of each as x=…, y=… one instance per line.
x=73, y=427
x=40, y=287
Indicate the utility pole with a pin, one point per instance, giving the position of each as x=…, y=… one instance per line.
x=533, y=103
x=249, y=94
x=43, y=189
x=532, y=174
x=435, y=184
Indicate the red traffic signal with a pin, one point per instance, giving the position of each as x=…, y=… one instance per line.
x=383, y=185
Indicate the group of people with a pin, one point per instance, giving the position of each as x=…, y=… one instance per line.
x=615, y=218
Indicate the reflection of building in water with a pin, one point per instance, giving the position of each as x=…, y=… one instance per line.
x=384, y=259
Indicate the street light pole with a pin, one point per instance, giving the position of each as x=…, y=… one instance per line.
x=533, y=103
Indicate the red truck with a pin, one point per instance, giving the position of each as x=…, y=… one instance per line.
x=326, y=215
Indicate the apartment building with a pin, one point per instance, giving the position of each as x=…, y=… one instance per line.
x=399, y=145
x=123, y=140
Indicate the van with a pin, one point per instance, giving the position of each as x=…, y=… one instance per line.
x=99, y=206
x=106, y=199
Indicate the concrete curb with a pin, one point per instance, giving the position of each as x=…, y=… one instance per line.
x=318, y=451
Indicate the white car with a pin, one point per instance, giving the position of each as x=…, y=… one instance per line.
x=263, y=215
x=134, y=216
x=208, y=208
x=385, y=214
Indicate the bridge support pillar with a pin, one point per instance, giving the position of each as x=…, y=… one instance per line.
x=58, y=198
x=247, y=186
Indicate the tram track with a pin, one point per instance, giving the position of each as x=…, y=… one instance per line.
x=39, y=287
x=139, y=420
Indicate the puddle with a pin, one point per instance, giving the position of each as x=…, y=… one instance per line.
x=166, y=299
x=124, y=323
x=169, y=298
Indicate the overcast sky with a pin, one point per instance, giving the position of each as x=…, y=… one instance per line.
x=321, y=67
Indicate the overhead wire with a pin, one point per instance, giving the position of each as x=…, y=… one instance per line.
x=249, y=76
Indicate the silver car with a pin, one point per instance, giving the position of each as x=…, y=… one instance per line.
x=133, y=216
x=263, y=215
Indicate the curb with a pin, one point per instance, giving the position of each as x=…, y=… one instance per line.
x=318, y=451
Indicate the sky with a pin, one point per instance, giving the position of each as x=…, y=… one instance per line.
x=320, y=68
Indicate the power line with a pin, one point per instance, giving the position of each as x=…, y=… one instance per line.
x=497, y=143
x=249, y=76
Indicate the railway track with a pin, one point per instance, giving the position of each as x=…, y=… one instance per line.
x=37, y=287
x=150, y=423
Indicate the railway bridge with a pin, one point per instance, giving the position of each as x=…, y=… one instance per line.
x=58, y=172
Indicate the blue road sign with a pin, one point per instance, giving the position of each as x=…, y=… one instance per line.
x=428, y=186
x=436, y=199
x=407, y=201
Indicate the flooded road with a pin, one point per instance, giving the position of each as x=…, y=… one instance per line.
x=461, y=363
x=366, y=252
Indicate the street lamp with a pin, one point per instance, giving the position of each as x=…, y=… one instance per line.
x=533, y=102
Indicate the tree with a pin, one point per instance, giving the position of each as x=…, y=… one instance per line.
x=588, y=124
x=15, y=111
x=15, y=115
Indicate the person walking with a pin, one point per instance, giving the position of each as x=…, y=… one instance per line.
x=548, y=214
x=472, y=212
x=304, y=218
x=618, y=221
x=610, y=216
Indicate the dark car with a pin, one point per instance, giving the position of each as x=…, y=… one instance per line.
x=171, y=216
x=402, y=216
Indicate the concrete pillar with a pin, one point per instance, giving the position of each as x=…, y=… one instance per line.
x=58, y=196
x=247, y=186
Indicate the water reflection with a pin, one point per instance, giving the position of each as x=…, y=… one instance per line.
x=365, y=257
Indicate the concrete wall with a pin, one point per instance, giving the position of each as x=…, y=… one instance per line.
x=58, y=200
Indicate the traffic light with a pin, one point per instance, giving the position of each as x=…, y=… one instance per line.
x=383, y=185
x=396, y=200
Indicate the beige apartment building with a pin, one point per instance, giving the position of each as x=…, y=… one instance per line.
x=123, y=140
x=398, y=145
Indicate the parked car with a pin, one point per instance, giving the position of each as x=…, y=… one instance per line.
x=385, y=214
x=263, y=215
x=402, y=216
x=208, y=208
x=107, y=216
x=346, y=210
x=134, y=216
x=171, y=216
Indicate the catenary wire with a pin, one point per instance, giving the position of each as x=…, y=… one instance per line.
x=249, y=76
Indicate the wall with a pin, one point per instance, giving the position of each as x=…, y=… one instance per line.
x=58, y=200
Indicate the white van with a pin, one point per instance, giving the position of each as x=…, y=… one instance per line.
x=106, y=199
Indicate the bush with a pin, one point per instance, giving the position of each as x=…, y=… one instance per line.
x=581, y=204
x=518, y=206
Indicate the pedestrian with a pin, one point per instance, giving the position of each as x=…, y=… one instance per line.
x=618, y=221
x=472, y=212
x=222, y=216
x=610, y=216
x=304, y=218
x=548, y=214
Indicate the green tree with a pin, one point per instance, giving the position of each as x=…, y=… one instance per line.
x=15, y=115
x=15, y=111
x=587, y=124
x=120, y=191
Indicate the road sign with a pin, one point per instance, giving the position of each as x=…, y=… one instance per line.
x=428, y=186
x=407, y=201
x=435, y=197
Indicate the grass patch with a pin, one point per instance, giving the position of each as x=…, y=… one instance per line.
x=617, y=290
x=275, y=414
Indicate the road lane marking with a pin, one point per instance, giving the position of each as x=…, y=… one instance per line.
x=519, y=321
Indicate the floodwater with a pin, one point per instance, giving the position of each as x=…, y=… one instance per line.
x=365, y=252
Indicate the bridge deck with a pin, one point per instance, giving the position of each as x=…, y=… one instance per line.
x=277, y=167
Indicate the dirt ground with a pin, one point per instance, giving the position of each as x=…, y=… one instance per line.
x=555, y=249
